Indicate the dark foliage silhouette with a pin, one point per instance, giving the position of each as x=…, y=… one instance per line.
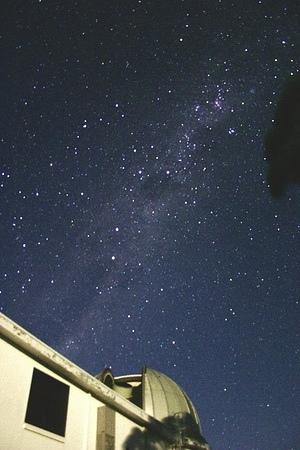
x=282, y=142
x=181, y=426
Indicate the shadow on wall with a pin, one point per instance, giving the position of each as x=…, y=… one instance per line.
x=180, y=426
x=282, y=142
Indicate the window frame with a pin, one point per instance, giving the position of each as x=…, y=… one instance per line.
x=56, y=427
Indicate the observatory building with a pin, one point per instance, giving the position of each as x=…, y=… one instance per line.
x=49, y=403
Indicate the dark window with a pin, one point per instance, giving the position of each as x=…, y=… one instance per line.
x=47, y=403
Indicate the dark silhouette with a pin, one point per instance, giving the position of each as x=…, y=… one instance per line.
x=181, y=427
x=282, y=142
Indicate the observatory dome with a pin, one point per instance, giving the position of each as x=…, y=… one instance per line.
x=163, y=398
x=160, y=397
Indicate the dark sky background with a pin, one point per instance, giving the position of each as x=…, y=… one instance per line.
x=137, y=226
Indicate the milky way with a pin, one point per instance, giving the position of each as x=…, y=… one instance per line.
x=137, y=225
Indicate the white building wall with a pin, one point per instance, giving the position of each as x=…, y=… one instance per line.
x=15, y=379
x=124, y=427
x=16, y=369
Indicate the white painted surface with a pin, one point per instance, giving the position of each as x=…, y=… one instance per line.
x=16, y=370
x=15, y=378
x=19, y=353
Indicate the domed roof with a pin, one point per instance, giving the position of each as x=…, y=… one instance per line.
x=163, y=398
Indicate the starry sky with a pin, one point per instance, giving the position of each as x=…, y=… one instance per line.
x=137, y=225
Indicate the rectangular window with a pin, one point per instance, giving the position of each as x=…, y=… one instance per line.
x=47, y=403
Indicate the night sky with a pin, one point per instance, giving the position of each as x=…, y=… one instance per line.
x=137, y=224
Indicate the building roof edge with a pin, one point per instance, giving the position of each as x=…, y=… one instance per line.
x=40, y=351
